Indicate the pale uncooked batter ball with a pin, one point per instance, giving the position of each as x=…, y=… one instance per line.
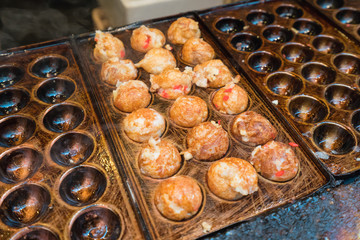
x=117, y=70
x=231, y=99
x=157, y=60
x=182, y=30
x=197, y=51
x=143, y=39
x=107, y=46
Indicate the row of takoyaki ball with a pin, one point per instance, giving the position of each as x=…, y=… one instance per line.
x=180, y=197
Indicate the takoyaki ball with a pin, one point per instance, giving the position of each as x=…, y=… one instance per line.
x=231, y=99
x=115, y=69
x=197, y=51
x=107, y=46
x=188, y=111
x=178, y=198
x=232, y=178
x=206, y=141
x=252, y=128
x=183, y=29
x=172, y=83
x=143, y=39
x=213, y=74
x=143, y=124
x=159, y=159
x=275, y=161
x=132, y=95
x=157, y=60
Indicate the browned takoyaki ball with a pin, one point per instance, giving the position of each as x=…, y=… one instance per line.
x=183, y=29
x=275, y=161
x=178, y=198
x=172, y=83
x=159, y=159
x=207, y=141
x=115, y=69
x=252, y=128
x=188, y=111
x=232, y=178
x=107, y=46
x=143, y=39
x=132, y=95
x=157, y=60
x=197, y=51
x=230, y=99
x=143, y=124
x=213, y=74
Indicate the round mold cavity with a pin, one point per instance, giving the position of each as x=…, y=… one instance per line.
x=343, y=97
x=284, y=84
x=246, y=42
x=96, y=222
x=348, y=16
x=13, y=100
x=297, y=53
x=19, y=164
x=307, y=27
x=347, y=63
x=288, y=11
x=264, y=62
x=9, y=75
x=334, y=138
x=355, y=120
x=15, y=130
x=63, y=118
x=307, y=109
x=318, y=73
x=36, y=233
x=55, y=90
x=330, y=4
x=49, y=66
x=260, y=18
x=278, y=34
x=329, y=45
x=82, y=185
x=72, y=149
x=25, y=205
x=229, y=25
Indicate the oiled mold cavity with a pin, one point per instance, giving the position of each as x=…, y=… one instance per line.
x=264, y=62
x=82, y=186
x=96, y=223
x=278, y=34
x=284, y=84
x=9, y=75
x=229, y=25
x=13, y=100
x=334, y=138
x=16, y=130
x=355, y=121
x=328, y=45
x=25, y=205
x=289, y=12
x=347, y=63
x=307, y=109
x=260, y=18
x=55, y=90
x=50, y=66
x=318, y=73
x=343, y=97
x=307, y=27
x=348, y=16
x=330, y=4
x=72, y=149
x=63, y=117
x=246, y=42
x=296, y=52
x=19, y=165
x=36, y=233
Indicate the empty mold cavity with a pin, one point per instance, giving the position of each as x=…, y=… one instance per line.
x=355, y=120
x=278, y=34
x=296, y=52
x=307, y=27
x=13, y=100
x=343, y=97
x=49, y=66
x=63, y=117
x=348, y=16
x=329, y=45
x=347, y=63
x=330, y=4
x=264, y=62
x=289, y=11
x=307, y=109
x=260, y=18
x=55, y=90
x=16, y=130
x=318, y=73
x=246, y=42
x=9, y=75
x=229, y=25
x=284, y=84
x=36, y=233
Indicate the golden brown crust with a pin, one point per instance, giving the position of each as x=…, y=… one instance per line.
x=252, y=128
x=231, y=99
x=143, y=39
x=188, y=111
x=196, y=51
x=116, y=70
x=275, y=161
x=178, y=198
x=107, y=46
x=183, y=29
x=157, y=60
x=232, y=178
